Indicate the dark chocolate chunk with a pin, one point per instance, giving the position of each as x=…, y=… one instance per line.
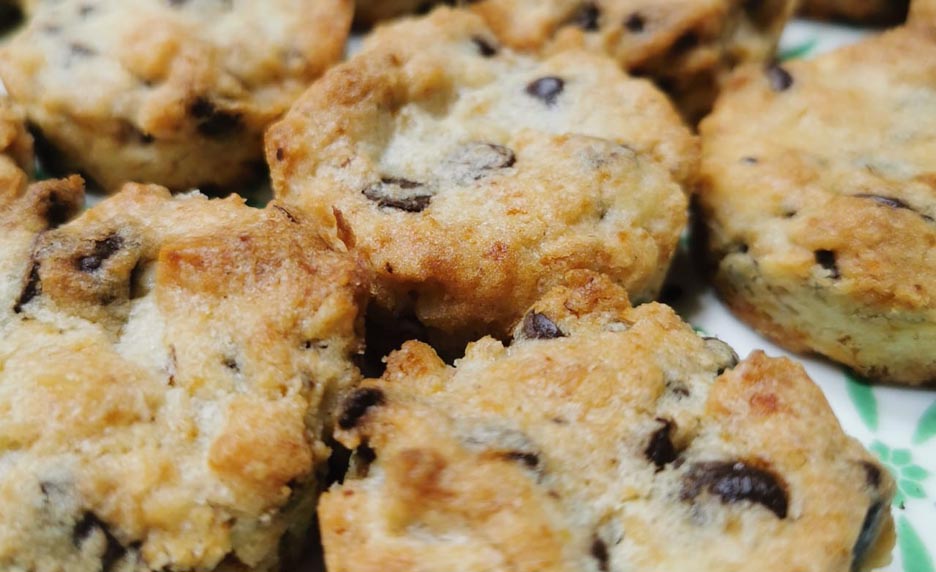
x=473, y=161
x=103, y=249
x=357, y=404
x=231, y=364
x=635, y=23
x=32, y=288
x=486, y=47
x=599, y=551
x=546, y=89
x=735, y=482
x=114, y=551
x=660, y=450
x=587, y=17
x=212, y=122
x=531, y=460
x=826, y=259
x=870, y=530
x=400, y=194
x=779, y=78
x=537, y=326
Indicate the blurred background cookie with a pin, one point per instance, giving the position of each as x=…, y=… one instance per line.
x=168, y=374
x=469, y=178
x=175, y=93
x=603, y=438
x=818, y=190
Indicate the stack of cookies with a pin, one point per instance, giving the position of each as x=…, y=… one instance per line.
x=439, y=340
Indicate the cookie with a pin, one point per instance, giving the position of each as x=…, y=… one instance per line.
x=686, y=46
x=820, y=197
x=923, y=12
x=469, y=178
x=879, y=12
x=169, y=369
x=604, y=438
x=175, y=93
x=16, y=151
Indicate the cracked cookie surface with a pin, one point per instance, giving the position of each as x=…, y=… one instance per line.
x=686, y=46
x=469, y=178
x=601, y=438
x=168, y=371
x=174, y=93
x=819, y=194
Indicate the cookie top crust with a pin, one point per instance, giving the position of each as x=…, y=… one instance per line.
x=168, y=368
x=151, y=80
x=468, y=177
x=600, y=439
x=834, y=156
x=687, y=46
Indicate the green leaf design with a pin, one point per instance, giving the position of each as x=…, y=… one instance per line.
x=916, y=558
x=915, y=472
x=799, y=51
x=862, y=396
x=912, y=489
x=926, y=428
x=901, y=457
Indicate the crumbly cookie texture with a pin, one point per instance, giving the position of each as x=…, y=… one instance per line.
x=819, y=193
x=858, y=11
x=16, y=151
x=168, y=370
x=604, y=438
x=175, y=93
x=470, y=178
x=686, y=46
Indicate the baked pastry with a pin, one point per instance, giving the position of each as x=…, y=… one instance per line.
x=16, y=151
x=819, y=194
x=469, y=178
x=604, y=438
x=880, y=12
x=169, y=369
x=175, y=93
x=686, y=46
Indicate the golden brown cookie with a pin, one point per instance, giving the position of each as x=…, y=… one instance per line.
x=470, y=178
x=168, y=369
x=175, y=93
x=686, y=46
x=923, y=12
x=604, y=438
x=819, y=194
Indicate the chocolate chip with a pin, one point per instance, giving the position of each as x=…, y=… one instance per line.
x=546, y=89
x=531, y=460
x=872, y=474
x=32, y=288
x=779, y=78
x=685, y=42
x=635, y=23
x=890, y=202
x=661, y=451
x=103, y=249
x=473, y=161
x=400, y=194
x=870, y=530
x=212, y=122
x=735, y=482
x=114, y=551
x=231, y=364
x=537, y=326
x=599, y=551
x=727, y=357
x=357, y=404
x=826, y=259
x=587, y=17
x=487, y=48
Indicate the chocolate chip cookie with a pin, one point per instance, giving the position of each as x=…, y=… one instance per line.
x=176, y=93
x=604, y=438
x=469, y=178
x=16, y=151
x=880, y=12
x=686, y=46
x=168, y=370
x=819, y=193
